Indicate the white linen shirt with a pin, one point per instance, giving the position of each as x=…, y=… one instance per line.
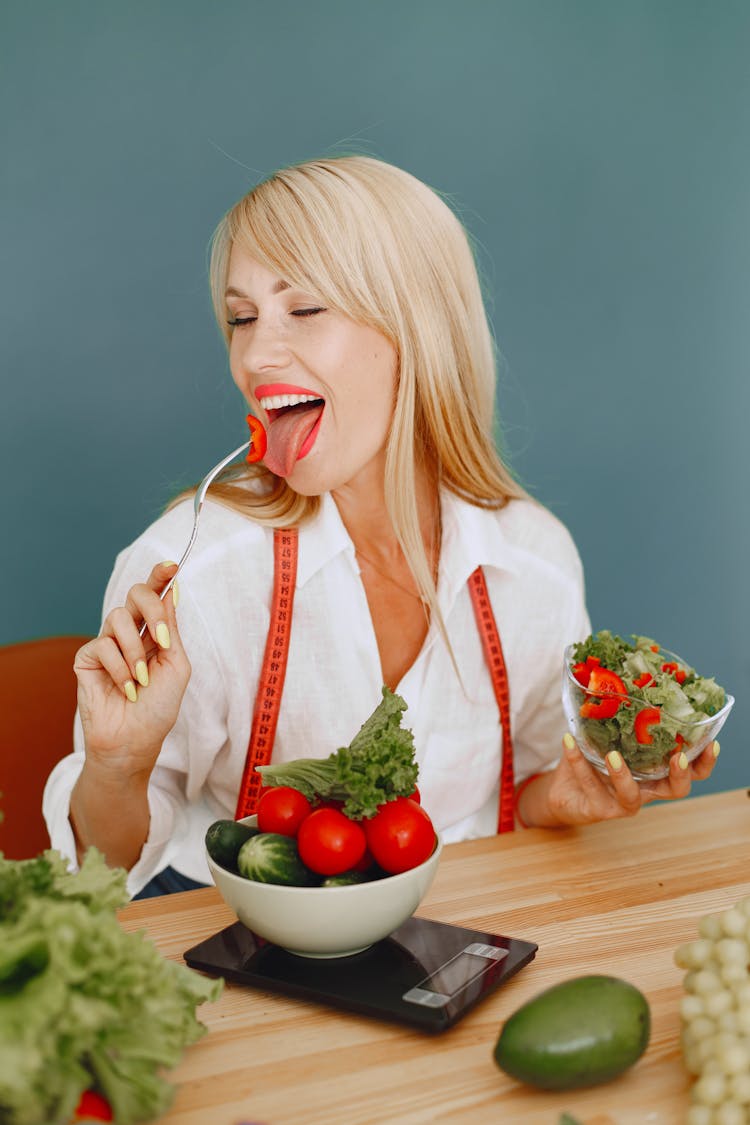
x=334, y=679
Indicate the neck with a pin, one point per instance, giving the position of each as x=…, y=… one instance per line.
x=363, y=510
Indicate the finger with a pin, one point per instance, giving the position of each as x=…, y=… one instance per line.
x=589, y=780
x=703, y=765
x=625, y=788
x=157, y=582
x=160, y=575
x=169, y=606
x=103, y=654
x=144, y=604
x=679, y=776
x=121, y=628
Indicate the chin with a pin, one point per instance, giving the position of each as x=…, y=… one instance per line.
x=309, y=480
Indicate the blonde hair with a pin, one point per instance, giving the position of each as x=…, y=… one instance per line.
x=374, y=242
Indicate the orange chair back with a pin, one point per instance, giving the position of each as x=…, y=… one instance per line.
x=37, y=705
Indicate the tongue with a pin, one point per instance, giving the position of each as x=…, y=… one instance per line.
x=286, y=435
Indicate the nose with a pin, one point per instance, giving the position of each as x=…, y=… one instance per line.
x=261, y=348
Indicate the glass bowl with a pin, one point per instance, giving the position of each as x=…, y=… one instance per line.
x=647, y=760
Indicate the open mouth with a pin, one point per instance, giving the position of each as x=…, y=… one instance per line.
x=294, y=417
x=274, y=405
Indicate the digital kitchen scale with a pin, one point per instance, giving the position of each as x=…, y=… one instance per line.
x=427, y=974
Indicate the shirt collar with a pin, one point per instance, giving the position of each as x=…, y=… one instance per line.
x=471, y=537
x=321, y=539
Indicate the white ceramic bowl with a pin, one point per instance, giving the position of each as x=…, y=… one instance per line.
x=326, y=921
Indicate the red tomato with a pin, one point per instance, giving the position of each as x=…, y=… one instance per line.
x=415, y=796
x=400, y=835
x=330, y=843
x=92, y=1106
x=366, y=861
x=282, y=809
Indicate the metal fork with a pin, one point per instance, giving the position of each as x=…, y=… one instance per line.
x=200, y=496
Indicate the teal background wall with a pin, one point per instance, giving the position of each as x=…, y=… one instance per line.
x=598, y=151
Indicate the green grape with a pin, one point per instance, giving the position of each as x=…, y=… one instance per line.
x=715, y=1017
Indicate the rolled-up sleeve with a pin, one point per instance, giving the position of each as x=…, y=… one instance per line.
x=188, y=751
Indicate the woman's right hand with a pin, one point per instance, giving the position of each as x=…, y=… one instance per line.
x=129, y=687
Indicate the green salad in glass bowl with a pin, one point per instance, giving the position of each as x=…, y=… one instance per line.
x=641, y=700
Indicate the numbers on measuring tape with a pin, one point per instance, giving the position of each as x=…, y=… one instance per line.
x=273, y=671
x=493, y=652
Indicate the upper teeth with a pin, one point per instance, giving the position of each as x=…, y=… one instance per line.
x=275, y=402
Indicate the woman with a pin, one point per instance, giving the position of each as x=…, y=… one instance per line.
x=352, y=310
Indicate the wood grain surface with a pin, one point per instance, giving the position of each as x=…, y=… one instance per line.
x=613, y=898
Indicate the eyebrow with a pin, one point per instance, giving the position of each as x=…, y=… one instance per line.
x=279, y=287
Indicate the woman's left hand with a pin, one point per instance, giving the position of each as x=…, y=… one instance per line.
x=577, y=793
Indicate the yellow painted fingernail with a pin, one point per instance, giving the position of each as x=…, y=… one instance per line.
x=141, y=673
x=717, y=749
x=568, y=741
x=162, y=635
x=615, y=760
x=130, y=691
x=682, y=761
x=175, y=593
x=168, y=562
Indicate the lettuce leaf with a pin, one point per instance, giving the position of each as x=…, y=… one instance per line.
x=83, y=1004
x=378, y=765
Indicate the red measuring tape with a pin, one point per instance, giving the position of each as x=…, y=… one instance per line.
x=273, y=672
x=493, y=653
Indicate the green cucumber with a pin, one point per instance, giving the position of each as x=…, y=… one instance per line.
x=578, y=1033
x=224, y=838
x=270, y=857
x=346, y=879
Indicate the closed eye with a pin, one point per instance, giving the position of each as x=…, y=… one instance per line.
x=239, y=321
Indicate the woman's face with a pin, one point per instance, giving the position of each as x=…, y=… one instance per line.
x=322, y=385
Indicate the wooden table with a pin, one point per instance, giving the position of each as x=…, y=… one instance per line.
x=612, y=898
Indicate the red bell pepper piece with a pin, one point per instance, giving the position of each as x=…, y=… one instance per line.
x=644, y=720
x=92, y=1106
x=609, y=690
x=600, y=708
x=643, y=680
x=674, y=669
x=581, y=673
x=258, y=438
x=602, y=681
x=582, y=670
x=679, y=742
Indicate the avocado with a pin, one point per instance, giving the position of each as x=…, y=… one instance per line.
x=578, y=1033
